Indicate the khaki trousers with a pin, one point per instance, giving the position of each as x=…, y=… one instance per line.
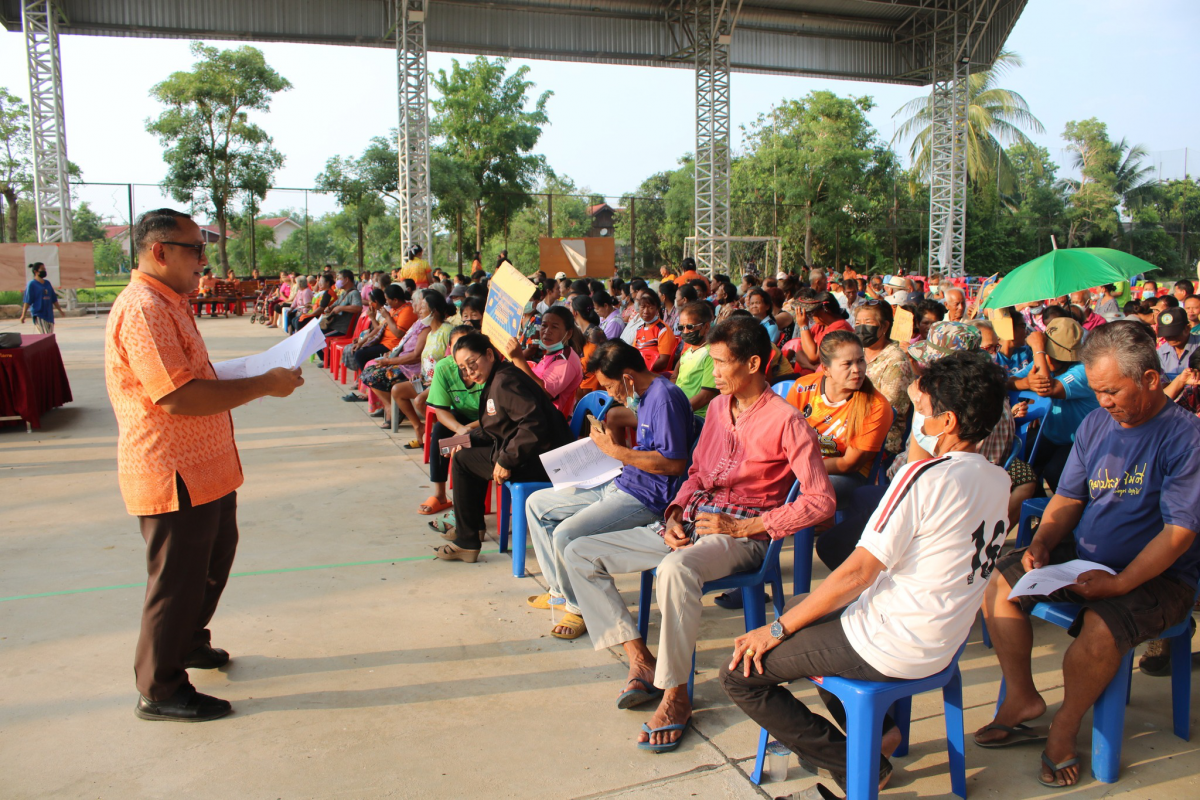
x=591, y=562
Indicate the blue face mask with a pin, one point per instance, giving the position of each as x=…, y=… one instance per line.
x=632, y=399
x=552, y=348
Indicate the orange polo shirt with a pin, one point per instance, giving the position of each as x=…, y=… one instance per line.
x=152, y=347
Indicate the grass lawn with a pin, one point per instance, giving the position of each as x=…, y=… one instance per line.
x=107, y=289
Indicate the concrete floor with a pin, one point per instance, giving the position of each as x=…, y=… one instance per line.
x=362, y=667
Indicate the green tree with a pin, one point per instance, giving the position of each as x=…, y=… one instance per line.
x=1092, y=199
x=823, y=159
x=482, y=121
x=15, y=165
x=211, y=144
x=455, y=192
x=87, y=225
x=995, y=116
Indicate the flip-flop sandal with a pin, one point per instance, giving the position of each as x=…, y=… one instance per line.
x=639, y=697
x=413, y=444
x=1053, y=784
x=1017, y=734
x=669, y=746
x=442, y=524
x=572, y=622
x=433, y=506
x=544, y=601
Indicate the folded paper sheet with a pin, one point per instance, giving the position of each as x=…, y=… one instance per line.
x=580, y=464
x=289, y=354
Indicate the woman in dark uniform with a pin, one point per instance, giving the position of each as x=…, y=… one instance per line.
x=517, y=423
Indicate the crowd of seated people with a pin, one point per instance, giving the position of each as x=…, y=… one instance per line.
x=906, y=455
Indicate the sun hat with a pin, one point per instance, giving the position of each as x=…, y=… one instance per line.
x=943, y=339
x=558, y=276
x=1063, y=336
x=895, y=282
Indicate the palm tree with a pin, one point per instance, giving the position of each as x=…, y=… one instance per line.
x=995, y=117
x=1132, y=179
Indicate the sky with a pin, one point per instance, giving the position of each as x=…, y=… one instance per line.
x=1131, y=64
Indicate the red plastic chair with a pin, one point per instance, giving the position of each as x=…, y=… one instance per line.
x=364, y=321
x=339, y=343
x=791, y=347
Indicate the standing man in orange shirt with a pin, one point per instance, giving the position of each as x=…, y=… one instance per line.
x=177, y=463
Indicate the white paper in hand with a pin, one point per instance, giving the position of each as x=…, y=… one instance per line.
x=1045, y=580
x=581, y=464
x=289, y=354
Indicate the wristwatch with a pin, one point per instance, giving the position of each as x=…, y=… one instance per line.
x=777, y=631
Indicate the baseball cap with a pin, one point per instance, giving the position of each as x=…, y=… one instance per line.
x=943, y=339
x=1063, y=336
x=1173, y=322
x=458, y=291
x=558, y=276
x=895, y=282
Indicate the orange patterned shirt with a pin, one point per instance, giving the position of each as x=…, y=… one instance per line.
x=153, y=347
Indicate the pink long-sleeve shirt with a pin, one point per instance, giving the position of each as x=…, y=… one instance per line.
x=754, y=461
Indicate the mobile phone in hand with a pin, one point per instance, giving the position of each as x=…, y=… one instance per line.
x=595, y=423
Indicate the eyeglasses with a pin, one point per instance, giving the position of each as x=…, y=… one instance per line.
x=473, y=364
x=199, y=248
x=690, y=328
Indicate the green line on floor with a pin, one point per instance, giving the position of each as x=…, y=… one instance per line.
x=232, y=575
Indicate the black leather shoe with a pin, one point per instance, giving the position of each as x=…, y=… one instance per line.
x=186, y=705
x=206, y=657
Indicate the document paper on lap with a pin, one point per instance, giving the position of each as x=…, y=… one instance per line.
x=1046, y=580
x=580, y=464
x=289, y=354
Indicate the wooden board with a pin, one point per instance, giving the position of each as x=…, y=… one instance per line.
x=600, y=256
x=76, y=268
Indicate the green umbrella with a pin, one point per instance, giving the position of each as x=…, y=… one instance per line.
x=1061, y=272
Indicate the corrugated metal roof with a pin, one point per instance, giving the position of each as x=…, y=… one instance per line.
x=835, y=38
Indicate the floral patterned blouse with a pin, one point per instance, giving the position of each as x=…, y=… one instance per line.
x=891, y=373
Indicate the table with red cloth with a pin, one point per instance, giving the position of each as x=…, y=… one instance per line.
x=33, y=380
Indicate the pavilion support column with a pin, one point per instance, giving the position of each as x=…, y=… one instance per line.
x=712, y=39
x=47, y=124
x=948, y=170
x=416, y=226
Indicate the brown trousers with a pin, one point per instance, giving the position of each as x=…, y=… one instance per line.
x=189, y=553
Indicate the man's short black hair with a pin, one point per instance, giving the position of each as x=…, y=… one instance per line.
x=348, y=275
x=156, y=226
x=972, y=386
x=930, y=306
x=1185, y=284
x=1169, y=300
x=613, y=357
x=744, y=336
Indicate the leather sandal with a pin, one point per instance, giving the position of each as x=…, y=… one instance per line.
x=452, y=552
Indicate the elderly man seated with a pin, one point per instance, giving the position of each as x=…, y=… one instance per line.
x=1127, y=500
x=753, y=448
x=903, y=603
x=652, y=474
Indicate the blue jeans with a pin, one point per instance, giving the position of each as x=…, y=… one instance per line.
x=558, y=517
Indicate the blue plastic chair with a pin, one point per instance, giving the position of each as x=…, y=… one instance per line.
x=1108, y=714
x=1039, y=408
x=513, y=495
x=753, y=586
x=1014, y=452
x=803, y=539
x=866, y=703
x=782, y=388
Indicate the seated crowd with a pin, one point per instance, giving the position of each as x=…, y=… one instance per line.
x=741, y=414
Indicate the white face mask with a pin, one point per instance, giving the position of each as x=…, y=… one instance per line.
x=927, y=442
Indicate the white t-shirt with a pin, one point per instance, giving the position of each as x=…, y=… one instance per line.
x=938, y=532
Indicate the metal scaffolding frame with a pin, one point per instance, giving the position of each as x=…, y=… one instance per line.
x=712, y=35
x=52, y=196
x=413, y=145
